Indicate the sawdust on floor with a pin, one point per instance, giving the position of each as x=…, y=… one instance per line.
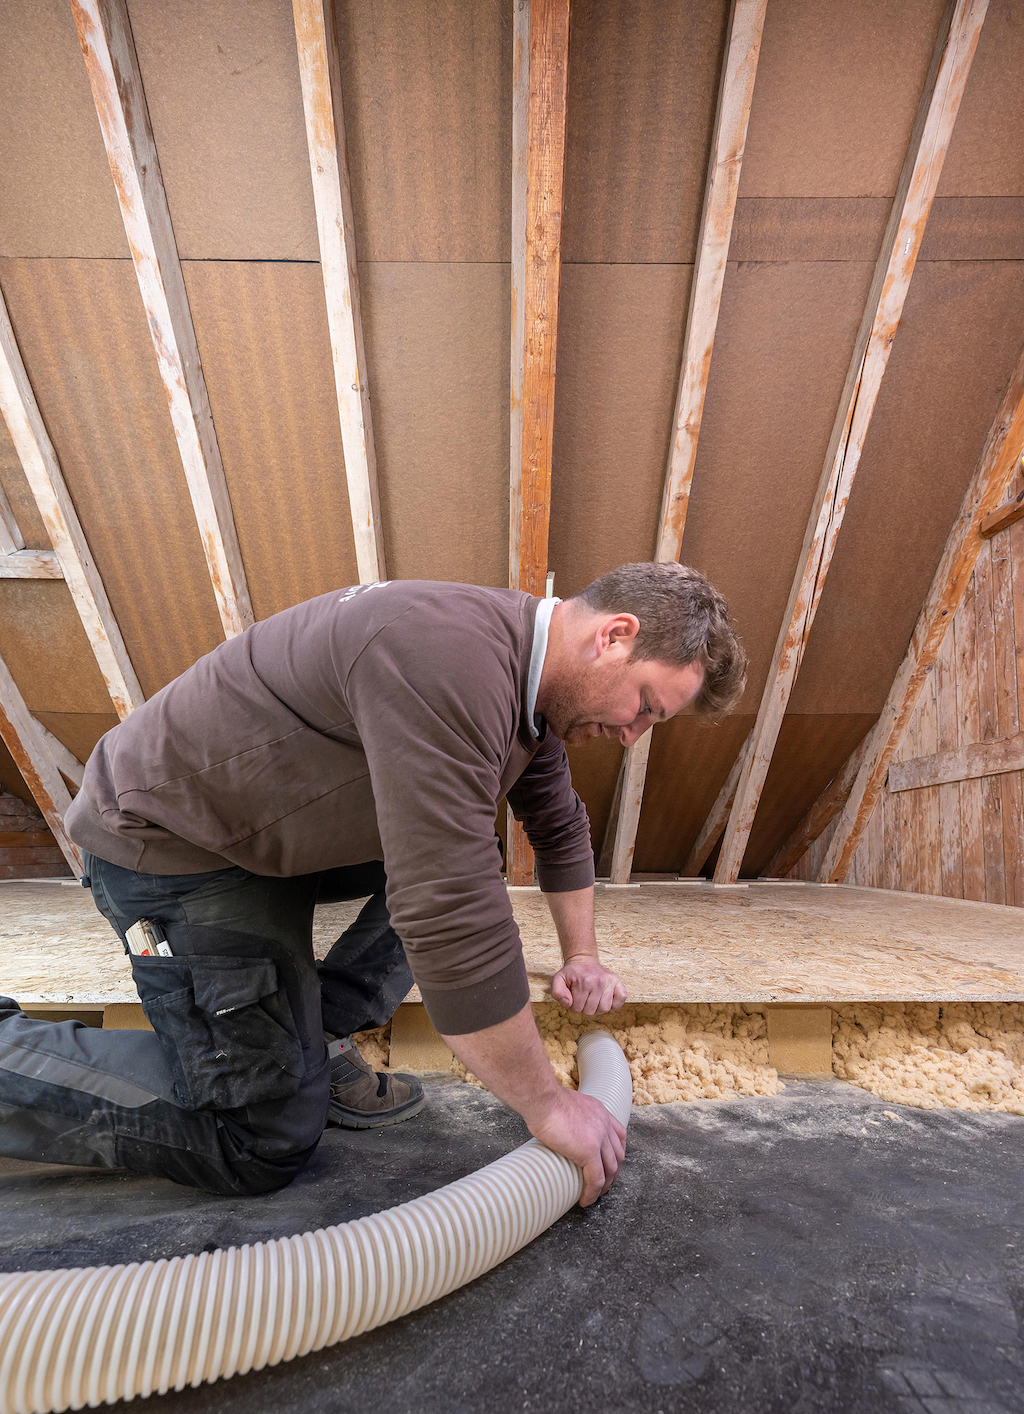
x=934, y=1055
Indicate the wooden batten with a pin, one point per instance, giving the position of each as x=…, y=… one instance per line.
x=71, y=558
x=1005, y=516
x=30, y=564
x=540, y=76
x=66, y=761
x=940, y=103
x=735, y=95
x=11, y=538
x=945, y=597
x=25, y=739
x=966, y=763
x=320, y=73
x=104, y=31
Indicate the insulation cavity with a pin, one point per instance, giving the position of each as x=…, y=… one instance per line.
x=698, y=1052
x=934, y=1055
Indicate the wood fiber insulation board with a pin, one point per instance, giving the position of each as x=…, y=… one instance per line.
x=689, y=762
x=19, y=494
x=86, y=345
x=986, y=156
x=437, y=339
x=595, y=769
x=958, y=340
x=58, y=196
x=222, y=88
x=613, y=414
x=79, y=731
x=783, y=347
x=44, y=645
x=643, y=81
x=836, y=96
x=262, y=330
x=428, y=115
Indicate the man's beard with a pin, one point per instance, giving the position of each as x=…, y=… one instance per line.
x=570, y=709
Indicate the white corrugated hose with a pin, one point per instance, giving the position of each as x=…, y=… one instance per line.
x=89, y=1335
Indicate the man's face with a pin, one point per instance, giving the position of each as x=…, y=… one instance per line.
x=619, y=698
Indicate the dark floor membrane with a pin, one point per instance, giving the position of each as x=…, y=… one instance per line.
x=796, y=1254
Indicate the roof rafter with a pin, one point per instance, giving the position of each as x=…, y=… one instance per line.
x=25, y=739
x=735, y=94
x=104, y=31
x=320, y=72
x=541, y=69
x=71, y=558
x=940, y=103
x=989, y=485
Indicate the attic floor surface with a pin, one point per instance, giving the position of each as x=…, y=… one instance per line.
x=785, y=942
x=818, y=1252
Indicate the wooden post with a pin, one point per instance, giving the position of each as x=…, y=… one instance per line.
x=320, y=73
x=735, y=94
x=75, y=562
x=987, y=489
x=540, y=74
x=940, y=103
x=105, y=34
x=24, y=739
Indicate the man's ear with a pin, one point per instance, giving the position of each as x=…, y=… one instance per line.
x=617, y=633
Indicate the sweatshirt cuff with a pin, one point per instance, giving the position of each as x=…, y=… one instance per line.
x=564, y=878
x=487, y=1003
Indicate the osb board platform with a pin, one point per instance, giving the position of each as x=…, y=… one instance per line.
x=670, y=943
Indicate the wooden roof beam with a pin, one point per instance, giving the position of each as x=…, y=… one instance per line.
x=539, y=94
x=320, y=72
x=72, y=559
x=25, y=739
x=105, y=34
x=988, y=488
x=736, y=91
x=940, y=103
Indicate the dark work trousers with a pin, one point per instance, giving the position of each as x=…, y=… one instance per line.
x=229, y=1091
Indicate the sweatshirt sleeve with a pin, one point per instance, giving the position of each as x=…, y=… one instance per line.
x=555, y=820
x=434, y=714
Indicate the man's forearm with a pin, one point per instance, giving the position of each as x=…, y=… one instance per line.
x=511, y=1061
x=573, y=915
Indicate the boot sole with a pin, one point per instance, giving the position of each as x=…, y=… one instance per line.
x=344, y=1118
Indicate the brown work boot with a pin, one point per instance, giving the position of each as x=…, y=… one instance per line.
x=362, y=1098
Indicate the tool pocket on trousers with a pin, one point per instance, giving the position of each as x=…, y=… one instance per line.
x=226, y=1027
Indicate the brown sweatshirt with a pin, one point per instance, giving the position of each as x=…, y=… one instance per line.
x=379, y=722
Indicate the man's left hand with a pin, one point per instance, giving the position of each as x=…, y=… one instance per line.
x=584, y=985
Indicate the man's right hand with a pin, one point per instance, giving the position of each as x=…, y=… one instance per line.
x=580, y=1127
x=511, y=1061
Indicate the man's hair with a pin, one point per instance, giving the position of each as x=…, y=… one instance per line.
x=683, y=619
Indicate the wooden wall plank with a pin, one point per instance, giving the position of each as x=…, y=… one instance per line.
x=1011, y=783
x=969, y=726
x=735, y=93
x=104, y=31
x=320, y=74
x=929, y=880
x=46, y=480
x=947, y=736
x=940, y=102
x=987, y=487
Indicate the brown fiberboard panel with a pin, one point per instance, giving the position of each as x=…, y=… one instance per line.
x=643, y=82
x=58, y=195
x=619, y=344
x=437, y=341
x=837, y=91
x=43, y=643
x=975, y=228
x=22, y=502
x=79, y=731
x=809, y=752
x=84, y=338
x=689, y=762
x=222, y=85
x=785, y=335
x=428, y=115
x=986, y=154
x=595, y=769
x=958, y=341
x=262, y=331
